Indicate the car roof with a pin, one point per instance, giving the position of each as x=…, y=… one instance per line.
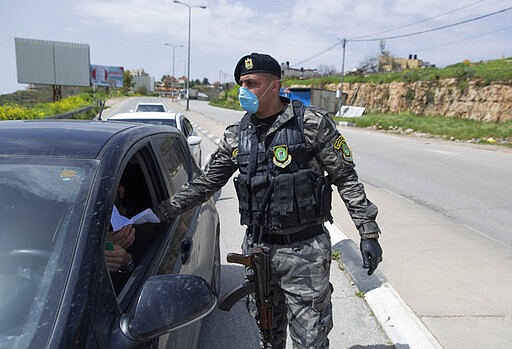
x=69, y=138
x=144, y=115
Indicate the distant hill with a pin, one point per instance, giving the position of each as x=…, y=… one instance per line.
x=486, y=71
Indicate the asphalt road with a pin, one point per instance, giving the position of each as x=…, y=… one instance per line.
x=471, y=184
x=445, y=209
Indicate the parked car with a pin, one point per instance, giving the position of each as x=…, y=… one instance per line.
x=150, y=107
x=174, y=119
x=58, y=185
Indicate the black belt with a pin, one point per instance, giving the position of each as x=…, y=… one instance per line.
x=285, y=239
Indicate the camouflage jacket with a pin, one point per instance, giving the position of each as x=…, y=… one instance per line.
x=332, y=156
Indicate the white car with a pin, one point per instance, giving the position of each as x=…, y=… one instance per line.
x=147, y=106
x=170, y=119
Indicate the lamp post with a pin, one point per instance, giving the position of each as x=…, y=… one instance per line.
x=173, y=55
x=188, y=64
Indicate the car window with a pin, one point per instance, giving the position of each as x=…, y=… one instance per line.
x=174, y=160
x=41, y=207
x=150, y=107
x=187, y=127
x=136, y=191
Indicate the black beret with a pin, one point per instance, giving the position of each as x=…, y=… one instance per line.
x=256, y=63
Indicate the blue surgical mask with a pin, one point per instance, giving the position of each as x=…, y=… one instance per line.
x=248, y=100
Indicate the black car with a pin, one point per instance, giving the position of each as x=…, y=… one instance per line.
x=58, y=187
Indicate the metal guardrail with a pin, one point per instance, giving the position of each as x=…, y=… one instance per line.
x=70, y=113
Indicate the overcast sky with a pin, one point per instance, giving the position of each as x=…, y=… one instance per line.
x=132, y=33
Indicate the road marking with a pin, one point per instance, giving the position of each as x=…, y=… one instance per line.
x=441, y=152
x=397, y=195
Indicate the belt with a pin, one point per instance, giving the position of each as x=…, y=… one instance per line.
x=285, y=239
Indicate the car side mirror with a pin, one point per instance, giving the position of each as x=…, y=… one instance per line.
x=167, y=302
x=194, y=140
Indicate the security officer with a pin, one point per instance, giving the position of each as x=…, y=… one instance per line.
x=282, y=151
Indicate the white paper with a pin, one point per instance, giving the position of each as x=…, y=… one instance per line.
x=118, y=221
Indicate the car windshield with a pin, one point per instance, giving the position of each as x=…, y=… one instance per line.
x=41, y=207
x=150, y=107
x=167, y=122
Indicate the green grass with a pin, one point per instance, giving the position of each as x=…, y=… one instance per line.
x=13, y=111
x=446, y=127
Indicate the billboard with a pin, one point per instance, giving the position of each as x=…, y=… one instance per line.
x=102, y=75
x=52, y=62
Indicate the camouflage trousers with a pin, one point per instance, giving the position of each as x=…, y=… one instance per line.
x=301, y=292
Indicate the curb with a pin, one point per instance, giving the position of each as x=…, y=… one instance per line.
x=398, y=321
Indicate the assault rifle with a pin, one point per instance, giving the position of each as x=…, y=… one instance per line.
x=258, y=283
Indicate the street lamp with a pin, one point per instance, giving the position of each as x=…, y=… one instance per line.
x=188, y=65
x=173, y=49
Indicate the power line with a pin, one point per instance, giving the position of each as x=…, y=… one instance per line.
x=318, y=54
x=465, y=39
x=434, y=29
x=421, y=21
x=406, y=35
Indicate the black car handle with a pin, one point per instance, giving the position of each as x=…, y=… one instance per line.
x=186, y=249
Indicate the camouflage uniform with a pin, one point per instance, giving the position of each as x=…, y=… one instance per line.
x=300, y=270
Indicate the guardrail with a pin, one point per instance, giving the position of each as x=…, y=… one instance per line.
x=70, y=114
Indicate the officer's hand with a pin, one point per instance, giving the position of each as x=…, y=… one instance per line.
x=162, y=211
x=372, y=254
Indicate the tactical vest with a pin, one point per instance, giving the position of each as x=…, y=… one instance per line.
x=276, y=187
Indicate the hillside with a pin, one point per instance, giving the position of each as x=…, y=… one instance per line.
x=477, y=91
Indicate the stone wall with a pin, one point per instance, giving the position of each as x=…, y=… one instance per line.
x=469, y=99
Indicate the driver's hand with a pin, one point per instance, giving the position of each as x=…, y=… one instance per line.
x=117, y=258
x=124, y=237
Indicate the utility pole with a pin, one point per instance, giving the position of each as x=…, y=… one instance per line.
x=343, y=44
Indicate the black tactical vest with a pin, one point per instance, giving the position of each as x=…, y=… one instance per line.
x=276, y=188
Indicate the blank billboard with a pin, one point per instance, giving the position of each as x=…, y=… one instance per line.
x=52, y=62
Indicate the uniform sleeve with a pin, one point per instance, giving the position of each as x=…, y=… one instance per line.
x=335, y=157
x=217, y=172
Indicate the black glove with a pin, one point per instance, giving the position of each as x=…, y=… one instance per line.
x=372, y=254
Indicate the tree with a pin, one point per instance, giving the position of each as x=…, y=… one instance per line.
x=206, y=82
x=325, y=70
x=128, y=82
x=369, y=64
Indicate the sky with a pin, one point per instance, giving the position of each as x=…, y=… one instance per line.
x=305, y=33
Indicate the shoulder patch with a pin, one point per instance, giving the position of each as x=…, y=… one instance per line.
x=340, y=144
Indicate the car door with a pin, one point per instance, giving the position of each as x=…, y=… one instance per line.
x=116, y=292
x=177, y=165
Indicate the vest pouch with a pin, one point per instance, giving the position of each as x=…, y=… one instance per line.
x=259, y=186
x=283, y=211
x=305, y=195
x=323, y=193
x=242, y=192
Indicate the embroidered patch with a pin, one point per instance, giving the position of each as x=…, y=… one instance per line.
x=248, y=63
x=234, y=153
x=281, y=156
x=341, y=144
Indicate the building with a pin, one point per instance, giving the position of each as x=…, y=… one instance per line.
x=288, y=72
x=393, y=64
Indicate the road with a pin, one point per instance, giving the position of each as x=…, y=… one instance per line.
x=445, y=209
x=471, y=184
